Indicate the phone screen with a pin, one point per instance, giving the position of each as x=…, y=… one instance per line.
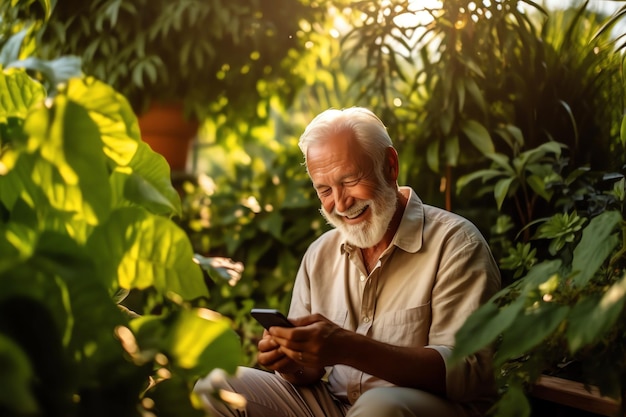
x=270, y=317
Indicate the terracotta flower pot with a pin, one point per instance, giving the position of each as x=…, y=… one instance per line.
x=166, y=129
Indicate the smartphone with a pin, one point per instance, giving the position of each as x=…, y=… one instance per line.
x=269, y=317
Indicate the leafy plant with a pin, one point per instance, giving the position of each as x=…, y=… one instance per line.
x=218, y=57
x=561, y=312
x=85, y=219
x=17, y=41
x=462, y=79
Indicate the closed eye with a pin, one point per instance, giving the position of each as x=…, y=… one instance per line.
x=323, y=192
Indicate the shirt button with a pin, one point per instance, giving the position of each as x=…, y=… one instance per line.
x=355, y=394
x=366, y=319
x=362, y=277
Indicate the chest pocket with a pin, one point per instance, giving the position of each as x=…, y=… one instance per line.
x=403, y=328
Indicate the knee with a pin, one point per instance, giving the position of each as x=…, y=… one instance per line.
x=213, y=382
x=378, y=402
x=210, y=390
x=403, y=402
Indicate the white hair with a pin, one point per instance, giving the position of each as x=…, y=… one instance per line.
x=368, y=130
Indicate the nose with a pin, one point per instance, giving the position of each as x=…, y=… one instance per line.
x=341, y=200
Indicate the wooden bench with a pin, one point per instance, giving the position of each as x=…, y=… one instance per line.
x=574, y=395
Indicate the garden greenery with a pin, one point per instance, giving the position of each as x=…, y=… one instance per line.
x=85, y=209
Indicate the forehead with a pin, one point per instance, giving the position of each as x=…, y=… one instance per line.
x=336, y=156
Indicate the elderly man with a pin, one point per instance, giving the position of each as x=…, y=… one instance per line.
x=377, y=300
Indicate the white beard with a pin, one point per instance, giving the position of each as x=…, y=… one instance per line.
x=368, y=233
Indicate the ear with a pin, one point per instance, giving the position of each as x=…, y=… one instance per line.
x=393, y=168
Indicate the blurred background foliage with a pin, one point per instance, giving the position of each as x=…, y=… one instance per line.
x=509, y=112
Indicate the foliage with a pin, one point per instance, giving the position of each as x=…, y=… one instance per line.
x=465, y=79
x=564, y=204
x=560, y=313
x=18, y=41
x=85, y=211
x=220, y=57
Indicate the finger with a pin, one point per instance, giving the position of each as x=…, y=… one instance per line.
x=270, y=358
x=267, y=344
x=284, y=336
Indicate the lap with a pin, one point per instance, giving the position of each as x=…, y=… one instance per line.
x=269, y=395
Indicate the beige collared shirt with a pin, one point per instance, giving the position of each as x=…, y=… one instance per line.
x=437, y=270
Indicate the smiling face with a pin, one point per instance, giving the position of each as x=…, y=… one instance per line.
x=355, y=199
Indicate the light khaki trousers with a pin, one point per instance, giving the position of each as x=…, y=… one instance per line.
x=269, y=395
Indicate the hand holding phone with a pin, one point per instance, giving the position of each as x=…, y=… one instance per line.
x=269, y=317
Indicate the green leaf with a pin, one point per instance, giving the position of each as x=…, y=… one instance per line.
x=513, y=403
x=538, y=185
x=10, y=51
x=112, y=114
x=195, y=341
x=512, y=135
x=202, y=340
x=484, y=326
x=483, y=174
x=18, y=92
x=432, y=156
x=596, y=244
x=478, y=136
x=501, y=190
x=149, y=184
x=503, y=162
x=145, y=250
x=592, y=317
x=56, y=71
x=72, y=167
x=16, y=379
x=474, y=90
x=452, y=150
x=531, y=328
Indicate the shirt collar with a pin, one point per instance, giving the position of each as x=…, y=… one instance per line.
x=409, y=235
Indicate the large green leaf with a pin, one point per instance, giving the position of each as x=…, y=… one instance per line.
x=592, y=317
x=18, y=92
x=112, y=114
x=149, y=184
x=72, y=166
x=533, y=326
x=484, y=326
x=143, y=250
x=488, y=322
x=195, y=341
x=595, y=246
x=478, y=136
